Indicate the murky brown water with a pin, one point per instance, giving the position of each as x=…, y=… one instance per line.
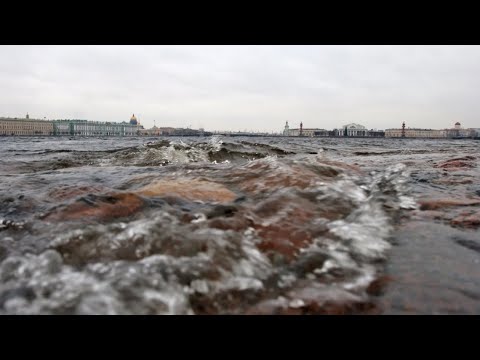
x=239, y=226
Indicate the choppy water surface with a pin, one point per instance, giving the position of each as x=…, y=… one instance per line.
x=239, y=226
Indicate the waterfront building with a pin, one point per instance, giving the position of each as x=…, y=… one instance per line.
x=353, y=130
x=25, y=127
x=154, y=131
x=454, y=133
x=376, y=133
x=476, y=132
x=301, y=131
x=93, y=128
x=166, y=130
x=356, y=130
x=459, y=132
x=308, y=132
x=415, y=133
x=36, y=127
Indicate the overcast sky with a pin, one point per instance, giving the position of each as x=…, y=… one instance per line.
x=245, y=87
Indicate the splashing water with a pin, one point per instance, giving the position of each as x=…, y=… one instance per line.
x=266, y=231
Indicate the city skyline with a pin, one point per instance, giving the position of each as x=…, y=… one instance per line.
x=244, y=87
x=292, y=126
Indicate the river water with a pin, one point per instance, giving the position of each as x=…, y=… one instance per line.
x=227, y=225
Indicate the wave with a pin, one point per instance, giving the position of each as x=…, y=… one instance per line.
x=305, y=235
x=178, y=152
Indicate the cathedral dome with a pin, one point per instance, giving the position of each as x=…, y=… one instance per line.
x=133, y=120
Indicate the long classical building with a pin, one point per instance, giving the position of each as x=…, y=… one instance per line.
x=93, y=128
x=454, y=133
x=415, y=133
x=157, y=131
x=312, y=132
x=308, y=132
x=36, y=127
x=25, y=127
x=97, y=128
x=68, y=127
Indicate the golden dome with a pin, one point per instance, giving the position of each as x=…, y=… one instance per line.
x=133, y=120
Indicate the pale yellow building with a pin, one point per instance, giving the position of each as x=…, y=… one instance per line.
x=307, y=132
x=416, y=133
x=158, y=131
x=25, y=127
x=456, y=132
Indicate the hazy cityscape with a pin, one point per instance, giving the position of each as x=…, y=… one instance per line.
x=37, y=127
